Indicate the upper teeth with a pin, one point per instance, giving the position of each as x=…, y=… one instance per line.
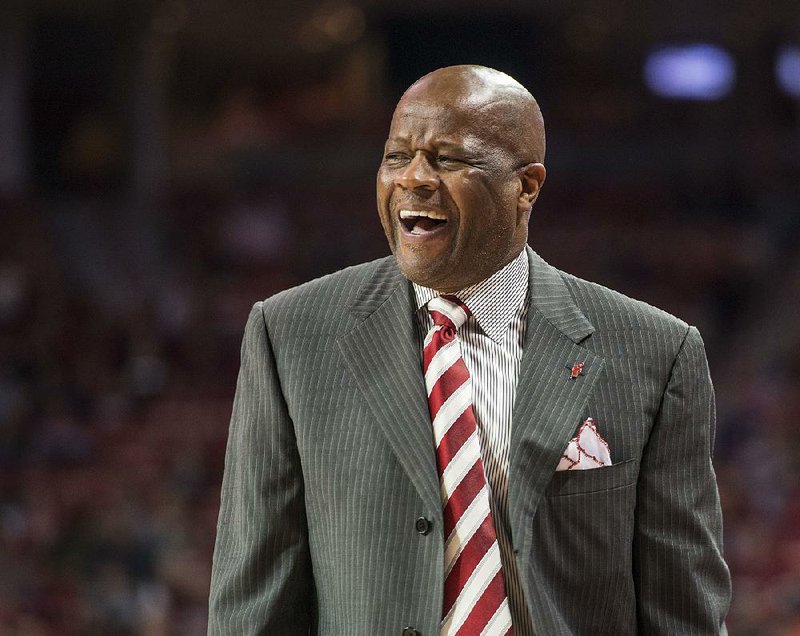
x=411, y=214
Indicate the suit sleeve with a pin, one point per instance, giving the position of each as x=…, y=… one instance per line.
x=682, y=582
x=261, y=575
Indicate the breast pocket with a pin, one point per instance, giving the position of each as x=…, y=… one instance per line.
x=578, y=482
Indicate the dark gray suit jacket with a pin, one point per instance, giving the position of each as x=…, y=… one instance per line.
x=330, y=462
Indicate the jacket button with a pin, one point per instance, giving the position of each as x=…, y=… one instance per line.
x=410, y=631
x=423, y=526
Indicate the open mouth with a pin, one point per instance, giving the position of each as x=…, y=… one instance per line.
x=419, y=222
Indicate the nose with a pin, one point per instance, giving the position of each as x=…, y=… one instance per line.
x=418, y=174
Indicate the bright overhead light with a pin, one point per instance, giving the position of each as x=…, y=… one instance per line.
x=693, y=71
x=787, y=70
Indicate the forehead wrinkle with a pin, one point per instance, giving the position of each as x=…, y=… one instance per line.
x=469, y=145
x=487, y=97
x=502, y=112
x=472, y=142
x=463, y=140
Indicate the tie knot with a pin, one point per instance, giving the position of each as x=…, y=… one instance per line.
x=448, y=311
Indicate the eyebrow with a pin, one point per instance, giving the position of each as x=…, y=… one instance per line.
x=442, y=145
x=448, y=145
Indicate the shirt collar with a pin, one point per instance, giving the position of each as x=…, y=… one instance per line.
x=494, y=301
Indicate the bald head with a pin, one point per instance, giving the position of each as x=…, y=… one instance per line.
x=461, y=170
x=506, y=108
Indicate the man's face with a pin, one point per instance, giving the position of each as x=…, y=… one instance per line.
x=449, y=193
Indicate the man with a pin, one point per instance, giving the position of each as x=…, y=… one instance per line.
x=340, y=513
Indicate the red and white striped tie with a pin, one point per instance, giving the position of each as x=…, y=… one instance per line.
x=475, y=600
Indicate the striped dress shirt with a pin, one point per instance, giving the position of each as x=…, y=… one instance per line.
x=491, y=345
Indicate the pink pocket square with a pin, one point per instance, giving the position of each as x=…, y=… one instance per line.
x=586, y=450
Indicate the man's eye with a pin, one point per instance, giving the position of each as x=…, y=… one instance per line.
x=446, y=160
x=395, y=159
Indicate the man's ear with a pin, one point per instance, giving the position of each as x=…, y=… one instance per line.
x=531, y=179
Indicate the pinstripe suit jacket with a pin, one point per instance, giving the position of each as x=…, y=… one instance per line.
x=330, y=461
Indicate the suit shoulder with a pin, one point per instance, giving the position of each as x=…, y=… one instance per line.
x=610, y=309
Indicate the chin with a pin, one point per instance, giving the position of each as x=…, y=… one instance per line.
x=415, y=275
x=419, y=275
x=436, y=275
x=433, y=282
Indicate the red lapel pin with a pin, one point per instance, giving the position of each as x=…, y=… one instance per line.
x=575, y=370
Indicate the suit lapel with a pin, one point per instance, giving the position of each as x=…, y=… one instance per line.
x=383, y=355
x=548, y=403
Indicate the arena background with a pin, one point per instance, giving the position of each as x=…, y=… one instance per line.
x=164, y=164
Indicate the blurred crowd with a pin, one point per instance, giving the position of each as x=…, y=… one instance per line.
x=121, y=319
